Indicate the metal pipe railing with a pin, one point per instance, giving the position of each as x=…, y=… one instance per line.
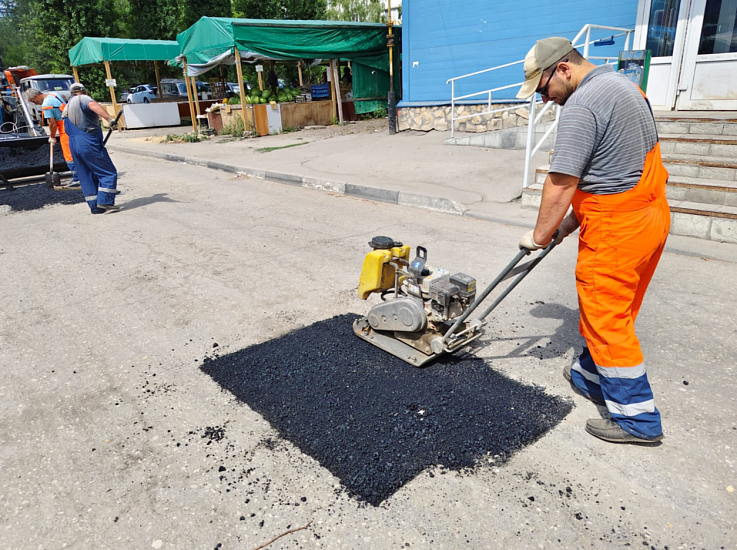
x=533, y=120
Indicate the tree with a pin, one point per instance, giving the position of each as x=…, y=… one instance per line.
x=280, y=9
x=364, y=11
x=154, y=19
x=192, y=10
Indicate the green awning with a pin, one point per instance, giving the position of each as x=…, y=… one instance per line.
x=92, y=50
x=257, y=39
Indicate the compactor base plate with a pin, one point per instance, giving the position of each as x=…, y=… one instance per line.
x=387, y=342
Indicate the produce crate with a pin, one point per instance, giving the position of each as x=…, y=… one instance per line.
x=320, y=91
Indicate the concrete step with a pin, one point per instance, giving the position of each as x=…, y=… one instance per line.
x=706, y=191
x=716, y=192
x=705, y=211
x=701, y=167
x=696, y=126
x=713, y=145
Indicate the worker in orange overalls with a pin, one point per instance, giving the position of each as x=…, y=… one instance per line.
x=607, y=165
x=52, y=107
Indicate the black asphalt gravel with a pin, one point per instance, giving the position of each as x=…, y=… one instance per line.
x=32, y=197
x=374, y=421
x=28, y=157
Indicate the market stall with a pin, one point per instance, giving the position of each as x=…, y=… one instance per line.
x=105, y=51
x=214, y=41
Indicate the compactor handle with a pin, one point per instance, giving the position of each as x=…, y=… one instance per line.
x=521, y=272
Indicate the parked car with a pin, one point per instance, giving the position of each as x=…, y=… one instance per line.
x=142, y=94
x=125, y=94
x=178, y=89
x=235, y=89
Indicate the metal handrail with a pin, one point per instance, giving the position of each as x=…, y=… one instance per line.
x=533, y=120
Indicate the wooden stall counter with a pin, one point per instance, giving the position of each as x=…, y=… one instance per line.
x=309, y=113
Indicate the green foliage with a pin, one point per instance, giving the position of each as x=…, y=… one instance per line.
x=280, y=9
x=364, y=11
x=378, y=113
x=39, y=33
x=184, y=138
x=159, y=19
x=234, y=129
x=270, y=149
x=192, y=10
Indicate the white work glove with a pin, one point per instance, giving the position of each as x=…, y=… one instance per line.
x=529, y=243
x=52, y=140
x=567, y=226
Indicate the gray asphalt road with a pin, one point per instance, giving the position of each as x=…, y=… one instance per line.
x=112, y=436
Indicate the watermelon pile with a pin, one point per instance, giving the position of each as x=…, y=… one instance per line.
x=284, y=95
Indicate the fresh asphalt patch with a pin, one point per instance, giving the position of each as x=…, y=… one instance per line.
x=33, y=197
x=376, y=422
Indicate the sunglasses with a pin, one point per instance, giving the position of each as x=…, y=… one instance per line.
x=544, y=89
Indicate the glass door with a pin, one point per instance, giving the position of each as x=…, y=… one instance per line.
x=709, y=77
x=661, y=28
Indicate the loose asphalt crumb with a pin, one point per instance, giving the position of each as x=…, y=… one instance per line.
x=374, y=421
x=33, y=197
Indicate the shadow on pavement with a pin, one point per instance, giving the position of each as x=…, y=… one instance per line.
x=144, y=201
x=33, y=197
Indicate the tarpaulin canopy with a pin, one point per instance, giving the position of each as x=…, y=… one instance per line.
x=211, y=42
x=92, y=50
x=211, y=39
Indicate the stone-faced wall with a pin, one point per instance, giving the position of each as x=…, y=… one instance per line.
x=438, y=118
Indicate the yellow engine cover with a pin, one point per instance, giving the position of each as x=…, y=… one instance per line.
x=377, y=275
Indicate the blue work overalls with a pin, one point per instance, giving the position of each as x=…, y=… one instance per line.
x=97, y=174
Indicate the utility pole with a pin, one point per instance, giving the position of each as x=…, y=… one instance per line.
x=391, y=103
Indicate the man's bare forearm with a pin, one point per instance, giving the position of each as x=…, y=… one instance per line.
x=100, y=111
x=558, y=192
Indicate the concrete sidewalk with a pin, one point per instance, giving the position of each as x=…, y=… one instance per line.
x=410, y=168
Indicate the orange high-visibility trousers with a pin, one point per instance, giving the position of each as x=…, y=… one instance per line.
x=64, y=140
x=622, y=237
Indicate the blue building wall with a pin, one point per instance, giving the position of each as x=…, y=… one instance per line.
x=442, y=40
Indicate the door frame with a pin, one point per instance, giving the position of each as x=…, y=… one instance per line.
x=679, y=44
x=692, y=57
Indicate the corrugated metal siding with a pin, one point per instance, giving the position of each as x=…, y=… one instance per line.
x=442, y=40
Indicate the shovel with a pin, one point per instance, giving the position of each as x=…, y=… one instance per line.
x=53, y=179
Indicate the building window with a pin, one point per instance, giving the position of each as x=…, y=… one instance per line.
x=719, y=32
x=661, y=28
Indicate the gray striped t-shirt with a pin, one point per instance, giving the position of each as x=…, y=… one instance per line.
x=605, y=132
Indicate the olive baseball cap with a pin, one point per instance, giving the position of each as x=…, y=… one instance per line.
x=543, y=54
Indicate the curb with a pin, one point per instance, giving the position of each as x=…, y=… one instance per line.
x=427, y=202
x=716, y=250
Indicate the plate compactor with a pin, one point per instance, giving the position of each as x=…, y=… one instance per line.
x=424, y=310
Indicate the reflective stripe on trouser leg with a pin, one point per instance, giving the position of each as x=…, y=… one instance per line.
x=79, y=143
x=99, y=162
x=629, y=400
x=620, y=242
x=585, y=376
